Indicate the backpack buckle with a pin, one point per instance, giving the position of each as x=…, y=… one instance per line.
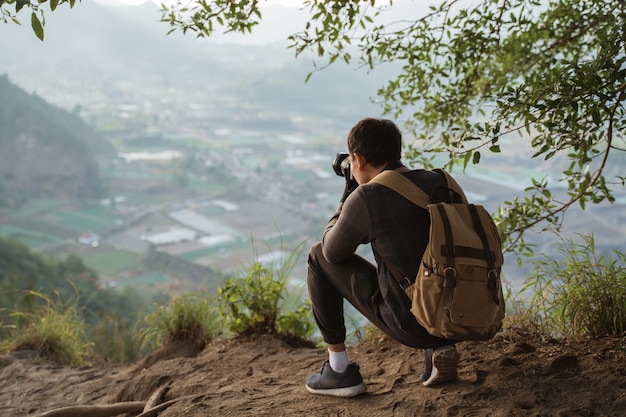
x=406, y=283
x=450, y=278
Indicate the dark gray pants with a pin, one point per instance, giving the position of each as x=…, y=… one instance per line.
x=355, y=280
x=328, y=284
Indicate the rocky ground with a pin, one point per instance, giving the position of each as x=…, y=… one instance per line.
x=507, y=376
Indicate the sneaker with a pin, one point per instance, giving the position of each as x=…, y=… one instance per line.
x=328, y=382
x=445, y=361
x=428, y=365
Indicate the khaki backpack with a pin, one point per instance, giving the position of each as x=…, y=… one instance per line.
x=457, y=293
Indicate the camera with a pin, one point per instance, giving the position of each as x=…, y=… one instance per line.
x=341, y=165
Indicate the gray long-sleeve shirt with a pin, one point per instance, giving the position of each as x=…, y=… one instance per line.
x=397, y=231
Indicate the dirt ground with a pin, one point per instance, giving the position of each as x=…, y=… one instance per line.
x=507, y=376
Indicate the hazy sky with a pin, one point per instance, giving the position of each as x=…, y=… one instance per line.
x=269, y=30
x=294, y=3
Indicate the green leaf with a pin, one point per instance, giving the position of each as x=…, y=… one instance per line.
x=19, y=4
x=476, y=158
x=466, y=159
x=54, y=4
x=37, y=27
x=595, y=115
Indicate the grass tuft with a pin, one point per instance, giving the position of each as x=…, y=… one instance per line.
x=54, y=330
x=580, y=294
x=189, y=317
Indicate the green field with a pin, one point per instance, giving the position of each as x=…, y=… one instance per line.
x=201, y=253
x=212, y=211
x=32, y=239
x=36, y=207
x=111, y=261
x=87, y=219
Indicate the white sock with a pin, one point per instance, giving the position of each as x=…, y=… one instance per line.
x=338, y=361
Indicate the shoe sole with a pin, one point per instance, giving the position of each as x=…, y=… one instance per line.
x=340, y=392
x=445, y=366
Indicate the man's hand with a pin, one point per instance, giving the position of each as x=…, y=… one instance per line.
x=351, y=185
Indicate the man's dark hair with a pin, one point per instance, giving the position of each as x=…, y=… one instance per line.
x=377, y=140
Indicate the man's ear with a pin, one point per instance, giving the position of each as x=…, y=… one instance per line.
x=360, y=161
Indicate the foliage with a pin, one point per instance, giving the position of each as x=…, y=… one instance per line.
x=188, y=317
x=23, y=271
x=259, y=303
x=54, y=330
x=28, y=280
x=580, y=294
x=474, y=75
x=37, y=16
x=202, y=16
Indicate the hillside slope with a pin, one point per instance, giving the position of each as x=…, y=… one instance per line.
x=45, y=151
x=264, y=377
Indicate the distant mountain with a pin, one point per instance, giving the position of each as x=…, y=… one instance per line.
x=45, y=151
x=96, y=56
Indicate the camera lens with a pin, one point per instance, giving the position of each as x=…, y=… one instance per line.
x=341, y=164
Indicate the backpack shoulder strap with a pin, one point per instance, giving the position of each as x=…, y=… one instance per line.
x=453, y=186
x=403, y=186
